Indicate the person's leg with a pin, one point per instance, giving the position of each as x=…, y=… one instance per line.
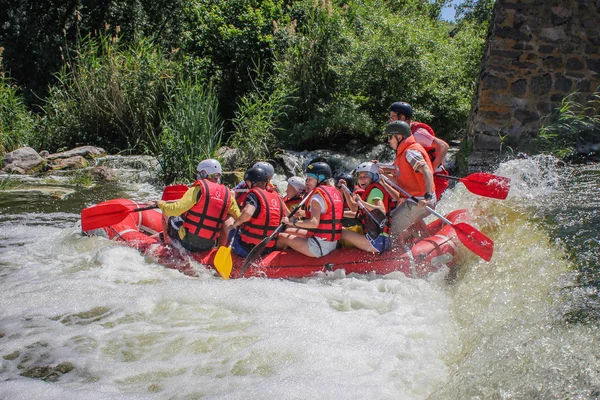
x=404, y=217
x=358, y=240
x=297, y=243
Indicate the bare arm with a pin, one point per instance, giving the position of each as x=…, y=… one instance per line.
x=441, y=149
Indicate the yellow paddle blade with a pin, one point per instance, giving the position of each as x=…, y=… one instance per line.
x=223, y=262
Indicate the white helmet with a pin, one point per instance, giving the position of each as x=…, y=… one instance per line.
x=368, y=167
x=266, y=166
x=209, y=166
x=297, y=183
x=371, y=168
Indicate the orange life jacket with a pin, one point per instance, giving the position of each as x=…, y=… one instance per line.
x=330, y=223
x=269, y=217
x=206, y=217
x=405, y=175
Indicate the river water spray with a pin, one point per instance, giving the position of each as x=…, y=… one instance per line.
x=83, y=317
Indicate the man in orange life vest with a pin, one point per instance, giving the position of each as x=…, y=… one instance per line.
x=197, y=219
x=317, y=234
x=261, y=215
x=425, y=136
x=412, y=171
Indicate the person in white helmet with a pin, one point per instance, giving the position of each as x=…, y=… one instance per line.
x=205, y=214
x=372, y=205
x=294, y=192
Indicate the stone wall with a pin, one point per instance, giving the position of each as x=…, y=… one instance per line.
x=537, y=52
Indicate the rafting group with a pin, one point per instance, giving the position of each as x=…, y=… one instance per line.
x=380, y=206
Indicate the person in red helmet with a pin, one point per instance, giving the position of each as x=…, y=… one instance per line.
x=425, y=136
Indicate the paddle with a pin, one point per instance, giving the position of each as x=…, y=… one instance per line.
x=102, y=215
x=473, y=240
x=258, y=249
x=483, y=184
x=176, y=192
x=223, y=261
x=381, y=224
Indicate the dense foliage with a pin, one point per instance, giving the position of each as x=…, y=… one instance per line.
x=300, y=74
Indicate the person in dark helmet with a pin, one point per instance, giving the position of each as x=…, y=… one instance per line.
x=317, y=234
x=412, y=171
x=204, y=214
x=425, y=136
x=260, y=216
x=241, y=188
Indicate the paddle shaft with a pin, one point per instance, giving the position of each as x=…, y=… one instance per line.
x=415, y=200
x=365, y=209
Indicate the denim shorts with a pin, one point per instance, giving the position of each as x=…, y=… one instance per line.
x=381, y=242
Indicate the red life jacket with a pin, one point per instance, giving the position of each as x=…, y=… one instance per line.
x=293, y=202
x=414, y=126
x=406, y=176
x=387, y=203
x=330, y=224
x=206, y=217
x=268, y=219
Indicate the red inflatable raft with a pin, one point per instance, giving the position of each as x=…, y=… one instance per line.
x=139, y=230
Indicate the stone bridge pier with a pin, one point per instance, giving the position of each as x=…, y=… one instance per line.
x=537, y=52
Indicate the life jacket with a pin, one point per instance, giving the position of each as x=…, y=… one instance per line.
x=330, y=223
x=269, y=217
x=240, y=197
x=414, y=126
x=206, y=217
x=387, y=203
x=293, y=202
x=405, y=175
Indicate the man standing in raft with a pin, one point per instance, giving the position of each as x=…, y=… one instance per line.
x=317, y=234
x=197, y=220
x=412, y=171
x=261, y=215
x=425, y=136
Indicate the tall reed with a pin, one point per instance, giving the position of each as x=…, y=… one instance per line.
x=191, y=131
x=16, y=122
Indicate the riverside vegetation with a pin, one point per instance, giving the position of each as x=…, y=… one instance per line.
x=178, y=79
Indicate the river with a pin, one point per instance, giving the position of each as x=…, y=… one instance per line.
x=85, y=318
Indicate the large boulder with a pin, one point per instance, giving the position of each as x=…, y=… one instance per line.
x=75, y=162
x=83, y=151
x=23, y=159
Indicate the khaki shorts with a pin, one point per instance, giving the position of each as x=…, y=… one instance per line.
x=320, y=247
x=405, y=215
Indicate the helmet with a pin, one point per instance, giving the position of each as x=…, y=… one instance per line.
x=297, y=183
x=371, y=168
x=268, y=168
x=208, y=167
x=403, y=108
x=398, y=128
x=256, y=174
x=348, y=178
x=320, y=169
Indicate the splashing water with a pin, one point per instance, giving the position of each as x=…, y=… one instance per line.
x=87, y=318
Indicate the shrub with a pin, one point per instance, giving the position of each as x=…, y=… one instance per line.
x=191, y=131
x=16, y=123
x=109, y=95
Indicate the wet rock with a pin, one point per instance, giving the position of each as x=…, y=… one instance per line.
x=103, y=174
x=83, y=151
x=75, y=162
x=48, y=373
x=25, y=159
